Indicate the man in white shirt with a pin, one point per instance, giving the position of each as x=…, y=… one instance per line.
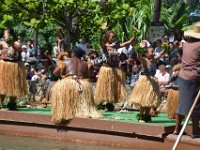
x=25, y=53
x=162, y=76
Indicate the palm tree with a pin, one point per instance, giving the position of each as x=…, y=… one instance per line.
x=156, y=11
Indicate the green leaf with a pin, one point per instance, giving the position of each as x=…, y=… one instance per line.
x=7, y=17
x=125, y=6
x=180, y=22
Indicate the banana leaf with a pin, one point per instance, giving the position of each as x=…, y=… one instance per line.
x=179, y=23
x=188, y=27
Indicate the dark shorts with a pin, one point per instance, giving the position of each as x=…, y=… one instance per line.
x=188, y=92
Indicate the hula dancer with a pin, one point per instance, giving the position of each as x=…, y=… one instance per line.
x=172, y=102
x=146, y=92
x=12, y=71
x=110, y=86
x=72, y=96
x=173, y=93
x=52, y=78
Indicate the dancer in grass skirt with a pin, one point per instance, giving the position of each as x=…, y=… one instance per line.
x=146, y=92
x=173, y=93
x=12, y=70
x=52, y=79
x=72, y=96
x=110, y=86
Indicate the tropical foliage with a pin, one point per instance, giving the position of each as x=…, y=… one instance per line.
x=83, y=18
x=175, y=19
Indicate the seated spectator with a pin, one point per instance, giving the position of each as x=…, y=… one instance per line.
x=136, y=72
x=174, y=61
x=24, y=54
x=123, y=62
x=93, y=65
x=162, y=76
x=31, y=49
x=169, y=70
x=173, y=79
x=175, y=50
x=158, y=49
x=165, y=39
x=56, y=52
x=171, y=35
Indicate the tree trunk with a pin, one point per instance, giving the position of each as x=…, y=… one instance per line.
x=67, y=40
x=69, y=33
x=156, y=11
x=35, y=43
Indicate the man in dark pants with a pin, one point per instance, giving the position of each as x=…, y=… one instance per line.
x=189, y=80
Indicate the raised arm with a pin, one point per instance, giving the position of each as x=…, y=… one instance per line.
x=124, y=44
x=57, y=71
x=17, y=46
x=157, y=57
x=142, y=59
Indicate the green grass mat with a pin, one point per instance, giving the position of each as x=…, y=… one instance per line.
x=129, y=117
x=43, y=111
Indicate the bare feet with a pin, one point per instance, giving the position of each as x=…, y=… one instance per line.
x=141, y=121
x=177, y=133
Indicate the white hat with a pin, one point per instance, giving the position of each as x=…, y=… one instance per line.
x=195, y=33
x=27, y=64
x=168, y=66
x=23, y=46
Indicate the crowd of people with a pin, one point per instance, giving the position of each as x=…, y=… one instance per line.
x=150, y=68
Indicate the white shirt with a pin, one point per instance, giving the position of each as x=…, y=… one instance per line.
x=55, y=51
x=24, y=55
x=162, y=78
x=122, y=50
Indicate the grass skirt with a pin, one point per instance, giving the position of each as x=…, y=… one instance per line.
x=68, y=102
x=110, y=85
x=172, y=102
x=13, y=79
x=146, y=92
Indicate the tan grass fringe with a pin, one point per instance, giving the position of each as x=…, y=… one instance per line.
x=110, y=85
x=13, y=79
x=146, y=92
x=67, y=102
x=172, y=102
